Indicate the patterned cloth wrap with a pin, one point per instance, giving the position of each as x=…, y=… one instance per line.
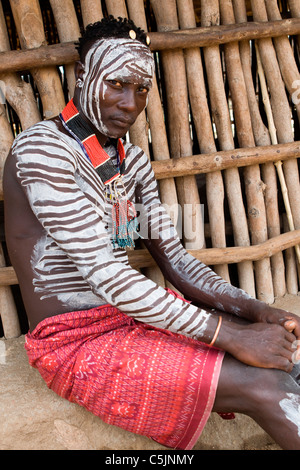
x=143, y=379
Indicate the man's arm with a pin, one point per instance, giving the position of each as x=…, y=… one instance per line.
x=202, y=286
x=196, y=281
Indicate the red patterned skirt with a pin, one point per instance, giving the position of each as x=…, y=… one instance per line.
x=143, y=379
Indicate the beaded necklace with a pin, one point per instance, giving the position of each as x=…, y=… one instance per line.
x=124, y=216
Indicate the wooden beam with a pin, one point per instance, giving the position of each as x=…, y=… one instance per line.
x=21, y=60
x=65, y=53
x=228, y=255
x=205, y=163
x=222, y=34
x=209, y=256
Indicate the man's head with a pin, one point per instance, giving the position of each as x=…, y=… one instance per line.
x=114, y=75
x=109, y=27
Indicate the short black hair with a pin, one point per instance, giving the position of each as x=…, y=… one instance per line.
x=109, y=27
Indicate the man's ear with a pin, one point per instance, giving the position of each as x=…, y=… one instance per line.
x=79, y=69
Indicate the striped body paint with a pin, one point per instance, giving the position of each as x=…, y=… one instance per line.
x=74, y=260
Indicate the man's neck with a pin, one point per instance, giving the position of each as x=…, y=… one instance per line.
x=102, y=139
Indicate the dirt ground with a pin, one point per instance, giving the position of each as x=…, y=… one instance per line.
x=35, y=418
x=289, y=302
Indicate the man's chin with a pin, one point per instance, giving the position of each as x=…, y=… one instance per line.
x=115, y=135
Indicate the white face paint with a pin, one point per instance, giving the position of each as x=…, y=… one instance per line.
x=291, y=408
x=112, y=59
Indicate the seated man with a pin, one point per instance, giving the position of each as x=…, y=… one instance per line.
x=101, y=334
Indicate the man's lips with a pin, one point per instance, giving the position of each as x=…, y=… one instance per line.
x=123, y=121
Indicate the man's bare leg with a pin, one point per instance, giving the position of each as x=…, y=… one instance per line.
x=270, y=397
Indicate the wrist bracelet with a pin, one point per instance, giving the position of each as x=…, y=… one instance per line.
x=216, y=332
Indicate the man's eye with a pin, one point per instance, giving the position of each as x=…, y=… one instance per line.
x=115, y=83
x=144, y=89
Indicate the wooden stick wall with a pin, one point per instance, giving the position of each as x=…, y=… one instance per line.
x=221, y=127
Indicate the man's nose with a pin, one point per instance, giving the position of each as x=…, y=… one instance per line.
x=128, y=100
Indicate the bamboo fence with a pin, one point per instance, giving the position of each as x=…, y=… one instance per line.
x=221, y=128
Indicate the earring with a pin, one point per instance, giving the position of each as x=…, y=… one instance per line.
x=79, y=83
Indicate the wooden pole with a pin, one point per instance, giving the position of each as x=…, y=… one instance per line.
x=116, y=8
x=262, y=138
x=285, y=196
x=7, y=137
x=136, y=12
x=179, y=125
x=273, y=134
x=11, y=84
x=290, y=263
x=159, y=139
x=280, y=109
x=281, y=114
x=18, y=93
x=220, y=115
x=284, y=52
x=253, y=184
x=203, y=126
x=68, y=30
x=91, y=11
x=8, y=310
x=291, y=76
x=29, y=24
x=295, y=10
x=155, y=114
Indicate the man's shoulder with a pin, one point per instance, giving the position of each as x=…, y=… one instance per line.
x=134, y=151
x=43, y=143
x=44, y=138
x=139, y=162
x=43, y=130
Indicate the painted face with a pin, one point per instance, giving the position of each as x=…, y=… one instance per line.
x=117, y=78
